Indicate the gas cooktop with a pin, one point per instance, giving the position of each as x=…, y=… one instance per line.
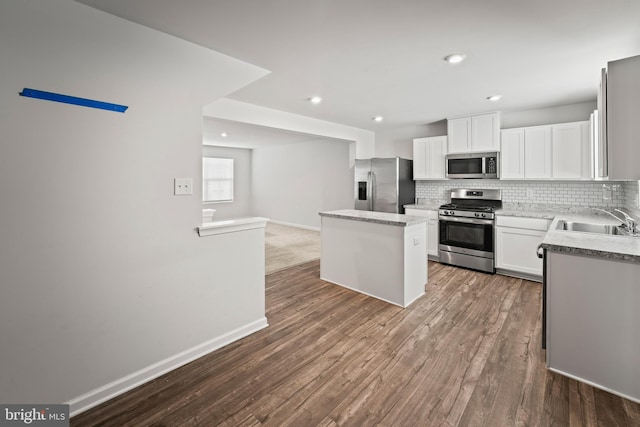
x=467, y=207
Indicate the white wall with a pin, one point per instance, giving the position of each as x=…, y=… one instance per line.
x=229, y=109
x=543, y=116
x=101, y=270
x=292, y=183
x=241, y=205
x=399, y=142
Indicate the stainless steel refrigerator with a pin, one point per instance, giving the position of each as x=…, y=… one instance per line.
x=384, y=185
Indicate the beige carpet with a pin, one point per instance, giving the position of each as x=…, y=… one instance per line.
x=287, y=246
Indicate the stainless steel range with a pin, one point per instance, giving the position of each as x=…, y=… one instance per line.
x=466, y=228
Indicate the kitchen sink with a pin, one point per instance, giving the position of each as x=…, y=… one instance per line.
x=585, y=227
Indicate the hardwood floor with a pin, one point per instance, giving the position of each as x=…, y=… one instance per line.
x=467, y=353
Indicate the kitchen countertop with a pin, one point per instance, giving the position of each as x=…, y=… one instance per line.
x=623, y=248
x=432, y=206
x=376, y=217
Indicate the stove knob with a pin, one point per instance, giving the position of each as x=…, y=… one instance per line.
x=476, y=215
x=484, y=215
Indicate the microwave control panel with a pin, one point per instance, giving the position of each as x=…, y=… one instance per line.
x=492, y=165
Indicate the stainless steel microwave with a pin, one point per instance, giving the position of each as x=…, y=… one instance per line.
x=473, y=165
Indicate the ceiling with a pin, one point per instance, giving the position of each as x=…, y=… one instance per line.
x=380, y=57
x=250, y=136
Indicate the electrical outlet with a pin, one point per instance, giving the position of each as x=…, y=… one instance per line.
x=182, y=186
x=529, y=194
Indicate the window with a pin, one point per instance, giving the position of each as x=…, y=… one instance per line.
x=217, y=179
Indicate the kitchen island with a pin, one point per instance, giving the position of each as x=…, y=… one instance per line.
x=375, y=253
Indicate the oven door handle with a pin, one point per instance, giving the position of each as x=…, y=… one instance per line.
x=465, y=220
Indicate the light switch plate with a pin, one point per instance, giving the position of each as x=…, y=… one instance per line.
x=182, y=186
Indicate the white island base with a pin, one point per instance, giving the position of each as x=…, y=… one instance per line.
x=377, y=254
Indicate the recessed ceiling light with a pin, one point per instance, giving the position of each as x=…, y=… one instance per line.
x=315, y=100
x=455, y=58
x=494, y=97
x=223, y=134
x=377, y=118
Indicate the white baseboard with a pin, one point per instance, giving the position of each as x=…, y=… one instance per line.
x=124, y=384
x=291, y=224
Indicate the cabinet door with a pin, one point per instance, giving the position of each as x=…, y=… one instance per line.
x=433, y=231
x=420, y=158
x=459, y=134
x=485, y=132
x=516, y=250
x=436, y=148
x=623, y=125
x=571, y=151
x=537, y=152
x=512, y=154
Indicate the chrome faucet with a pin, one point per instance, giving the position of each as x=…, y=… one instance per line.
x=628, y=222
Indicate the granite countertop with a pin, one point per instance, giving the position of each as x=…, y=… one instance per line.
x=526, y=210
x=376, y=217
x=431, y=206
x=622, y=248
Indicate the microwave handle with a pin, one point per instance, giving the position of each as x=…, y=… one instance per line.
x=484, y=165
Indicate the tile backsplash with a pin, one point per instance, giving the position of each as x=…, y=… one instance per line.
x=575, y=193
x=631, y=195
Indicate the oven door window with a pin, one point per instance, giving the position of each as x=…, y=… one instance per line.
x=471, y=165
x=464, y=235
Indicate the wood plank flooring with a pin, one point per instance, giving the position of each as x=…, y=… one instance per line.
x=466, y=354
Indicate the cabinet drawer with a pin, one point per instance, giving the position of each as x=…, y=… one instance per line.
x=520, y=222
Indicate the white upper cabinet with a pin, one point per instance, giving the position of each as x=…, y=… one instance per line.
x=480, y=132
x=571, y=151
x=485, y=132
x=459, y=133
x=512, y=154
x=537, y=152
x=428, y=157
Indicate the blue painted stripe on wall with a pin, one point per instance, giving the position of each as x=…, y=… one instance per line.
x=84, y=102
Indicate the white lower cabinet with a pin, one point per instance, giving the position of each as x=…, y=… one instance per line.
x=517, y=241
x=433, y=229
